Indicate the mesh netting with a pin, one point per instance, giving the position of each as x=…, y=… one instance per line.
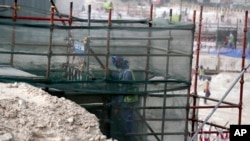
x=50, y=51
x=76, y=59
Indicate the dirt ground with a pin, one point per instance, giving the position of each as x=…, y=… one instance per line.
x=28, y=113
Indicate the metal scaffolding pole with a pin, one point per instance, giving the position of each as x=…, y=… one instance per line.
x=49, y=55
x=147, y=67
x=197, y=67
x=242, y=67
x=218, y=104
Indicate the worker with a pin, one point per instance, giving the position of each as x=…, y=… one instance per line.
x=231, y=41
x=108, y=5
x=207, y=89
x=164, y=14
x=119, y=16
x=222, y=15
x=201, y=73
x=123, y=105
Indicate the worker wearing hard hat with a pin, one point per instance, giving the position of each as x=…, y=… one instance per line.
x=123, y=105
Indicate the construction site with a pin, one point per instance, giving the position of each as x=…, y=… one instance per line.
x=68, y=50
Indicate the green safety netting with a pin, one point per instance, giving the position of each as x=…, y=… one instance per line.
x=76, y=59
x=163, y=55
x=49, y=52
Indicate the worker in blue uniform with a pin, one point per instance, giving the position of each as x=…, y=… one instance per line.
x=123, y=105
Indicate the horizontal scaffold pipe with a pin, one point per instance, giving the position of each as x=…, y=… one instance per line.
x=23, y=53
x=113, y=21
x=92, y=46
x=76, y=19
x=131, y=46
x=127, y=28
x=132, y=54
x=34, y=18
x=213, y=132
x=131, y=38
x=158, y=133
x=166, y=107
x=97, y=46
x=169, y=96
x=96, y=54
x=110, y=82
x=213, y=99
x=166, y=119
x=209, y=123
x=205, y=107
x=40, y=18
x=23, y=78
x=34, y=44
x=96, y=92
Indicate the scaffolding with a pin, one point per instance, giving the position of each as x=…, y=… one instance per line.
x=70, y=57
x=221, y=130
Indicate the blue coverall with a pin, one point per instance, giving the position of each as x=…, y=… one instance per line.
x=123, y=112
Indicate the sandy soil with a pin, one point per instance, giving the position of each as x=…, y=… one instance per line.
x=28, y=113
x=221, y=85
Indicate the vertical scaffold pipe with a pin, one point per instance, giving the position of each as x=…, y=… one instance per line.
x=69, y=33
x=165, y=85
x=87, y=48
x=50, y=41
x=13, y=32
x=13, y=45
x=170, y=15
x=151, y=15
x=218, y=104
x=108, y=43
x=110, y=17
x=52, y=12
x=180, y=16
x=58, y=13
x=242, y=67
x=197, y=67
x=89, y=17
x=146, y=75
x=193, y=114
x=15, y=10
x=70, y=13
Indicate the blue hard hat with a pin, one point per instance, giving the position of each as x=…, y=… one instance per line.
x=117, y=60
